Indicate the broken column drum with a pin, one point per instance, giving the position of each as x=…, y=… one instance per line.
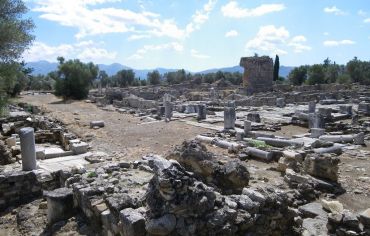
x=258, y=74
x=28, y=150
x=60, y=204
x=202, y=112
x=229, y=117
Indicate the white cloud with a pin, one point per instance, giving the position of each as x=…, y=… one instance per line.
x=269, y=39
x=231, y=33
x=92, y=20
x=196, y=54
x=233, y=10
x=367, y=20
x=85, y=50
x=139, y=54
x=334, y=10
x=273, y=40
x=326, y=33
x=362, y=13
x=200, y=17
x=333, y=43
x=298, y=45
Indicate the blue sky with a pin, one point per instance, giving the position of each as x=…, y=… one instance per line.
x=199, y=34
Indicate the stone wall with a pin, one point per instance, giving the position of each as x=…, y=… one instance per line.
x=258, y=74
x=18, y=187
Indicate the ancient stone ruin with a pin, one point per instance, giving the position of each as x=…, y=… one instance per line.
x=287, y=161
x=258, y=74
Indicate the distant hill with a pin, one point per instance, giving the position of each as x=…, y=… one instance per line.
x=44, y=67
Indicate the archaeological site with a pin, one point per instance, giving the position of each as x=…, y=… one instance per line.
x=260, y=158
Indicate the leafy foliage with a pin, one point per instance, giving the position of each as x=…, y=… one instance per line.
x=276, y=68
x=154, y=77
x=74, y=78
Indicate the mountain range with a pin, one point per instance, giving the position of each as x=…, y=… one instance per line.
x=44, y=67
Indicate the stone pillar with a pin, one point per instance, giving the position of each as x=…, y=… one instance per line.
x=230, y=104
x=213, y=94
x=168, y=111
x=202, y=112
x=161, y=111
x=355, y=119
x=229, y=117
x=316, y=121
x=60, y=204
x=312, y=107
x=247, y=127
x=166, y=98
x=100, y=88
x=280, y=102
x=28, y=150
x=317, y=132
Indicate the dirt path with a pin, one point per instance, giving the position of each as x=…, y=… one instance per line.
x=124, y=136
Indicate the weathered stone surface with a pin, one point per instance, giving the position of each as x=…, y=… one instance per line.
x=314, y=227
x=28, y=148
x=365, y=218
x=332, y=206
x=133, y=222
x=254, y=117
x=97, y=123
x=322, y=166
x=312, y=210
x=229, y=117
x=258, y=74
x=194, y=156
x=163, y=225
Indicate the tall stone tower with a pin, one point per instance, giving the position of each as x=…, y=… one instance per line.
x=258, y=74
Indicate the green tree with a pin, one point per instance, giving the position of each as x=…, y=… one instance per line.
x=15, y=31
x=154, y=77
x=125, y=78
x=316, y=74
x=298, y=75
x=15, y=37
x=103, y=78
x=276, y=68
x=359, y=71
x=74, y=78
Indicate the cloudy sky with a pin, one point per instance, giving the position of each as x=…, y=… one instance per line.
x=199, y=34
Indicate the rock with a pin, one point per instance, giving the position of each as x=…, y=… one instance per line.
x=97, y=123
x=350, y=220
x=161, y=226
x=133, y=222
x=232, y=175
x=365, y=218
x=335, y=218
x=254, y=195
x=322, y=166
x=332, y=206
x=314, y=227
x=312, y=210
